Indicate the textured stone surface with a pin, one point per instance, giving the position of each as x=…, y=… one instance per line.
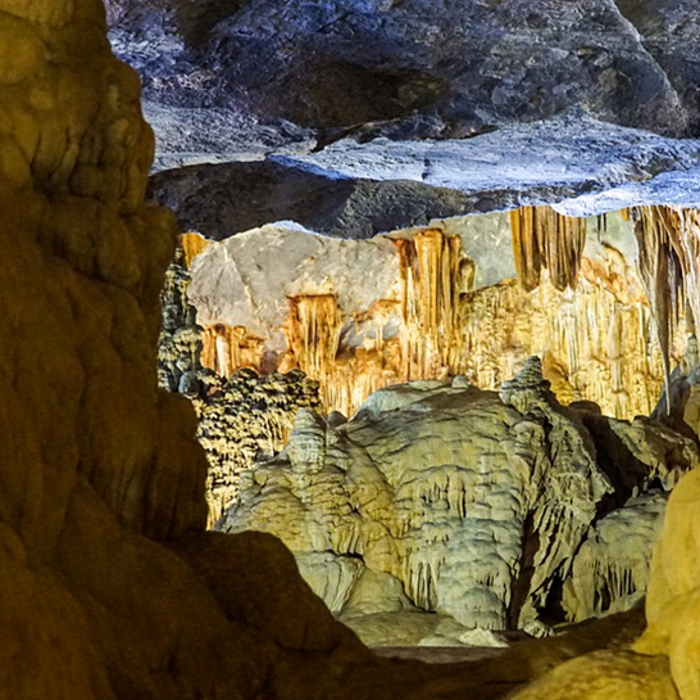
x=351, y=63
x=476, y=503
x=608, y=574
x=96, y=464
x=225, y=199
x=243, y=419
x=356, y=190
x=240, y=415
x=626, y=676
x=670, y=31
x=358, y=315
x=561, y=157
x=673, y=599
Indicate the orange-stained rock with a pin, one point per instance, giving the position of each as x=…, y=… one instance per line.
x=95, y=464
x=360, y=315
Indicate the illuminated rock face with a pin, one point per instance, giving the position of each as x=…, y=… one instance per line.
x=238, y=419
x=244, y=419
x=475, y=502
x=356, y=316
x=95, y=463
x=597, y=343
x=608, y=573
x=360, y=315
x=672, y=602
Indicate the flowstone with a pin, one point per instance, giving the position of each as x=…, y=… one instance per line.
x=476, y=504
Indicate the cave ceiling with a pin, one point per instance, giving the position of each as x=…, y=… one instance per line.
x=357, y=118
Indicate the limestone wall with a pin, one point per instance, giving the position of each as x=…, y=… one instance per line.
x=96, y=463
x=108, y=588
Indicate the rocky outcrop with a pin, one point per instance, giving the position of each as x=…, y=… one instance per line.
x=98, y=467
x=670, y=31
x=665, y=663
x=240, y=414
x=228, y=198
x=608, y=574
x=356, y=190
x=244, y=419
x=672, y=602
x=385, y=186
x=477, y=504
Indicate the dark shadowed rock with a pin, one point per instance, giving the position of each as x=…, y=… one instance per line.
x=671, y=33
x=344, y=62
x=450, y=67
x=223, y=199
x=356, y=190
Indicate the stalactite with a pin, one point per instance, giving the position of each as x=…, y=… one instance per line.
x=594, y=342
x=668, y=241
x=545, y=239
x=313, y=332
x=431, y=272
x=660, y=270
x=226, y=349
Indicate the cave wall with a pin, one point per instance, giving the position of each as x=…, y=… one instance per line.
x=97, y=464
x=452, y=64
x=359, y=315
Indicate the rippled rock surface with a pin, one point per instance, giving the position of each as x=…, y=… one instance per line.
x=474, y=505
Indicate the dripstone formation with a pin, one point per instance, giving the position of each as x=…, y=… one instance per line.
x=240, y=414
x=476, y=505
x=96, y=464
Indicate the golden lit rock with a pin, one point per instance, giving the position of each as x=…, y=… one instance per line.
x=673, y=600
x=96, y=463
x=604, y=676
x=546, y=240
x=414, y=314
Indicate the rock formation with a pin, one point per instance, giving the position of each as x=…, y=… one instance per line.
x=483, y=507
x=109, y=588
x=420, y=317
x=243, y=419
x=672, y=603
x=669, y=31
x=96, y=464
x=433, y=68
